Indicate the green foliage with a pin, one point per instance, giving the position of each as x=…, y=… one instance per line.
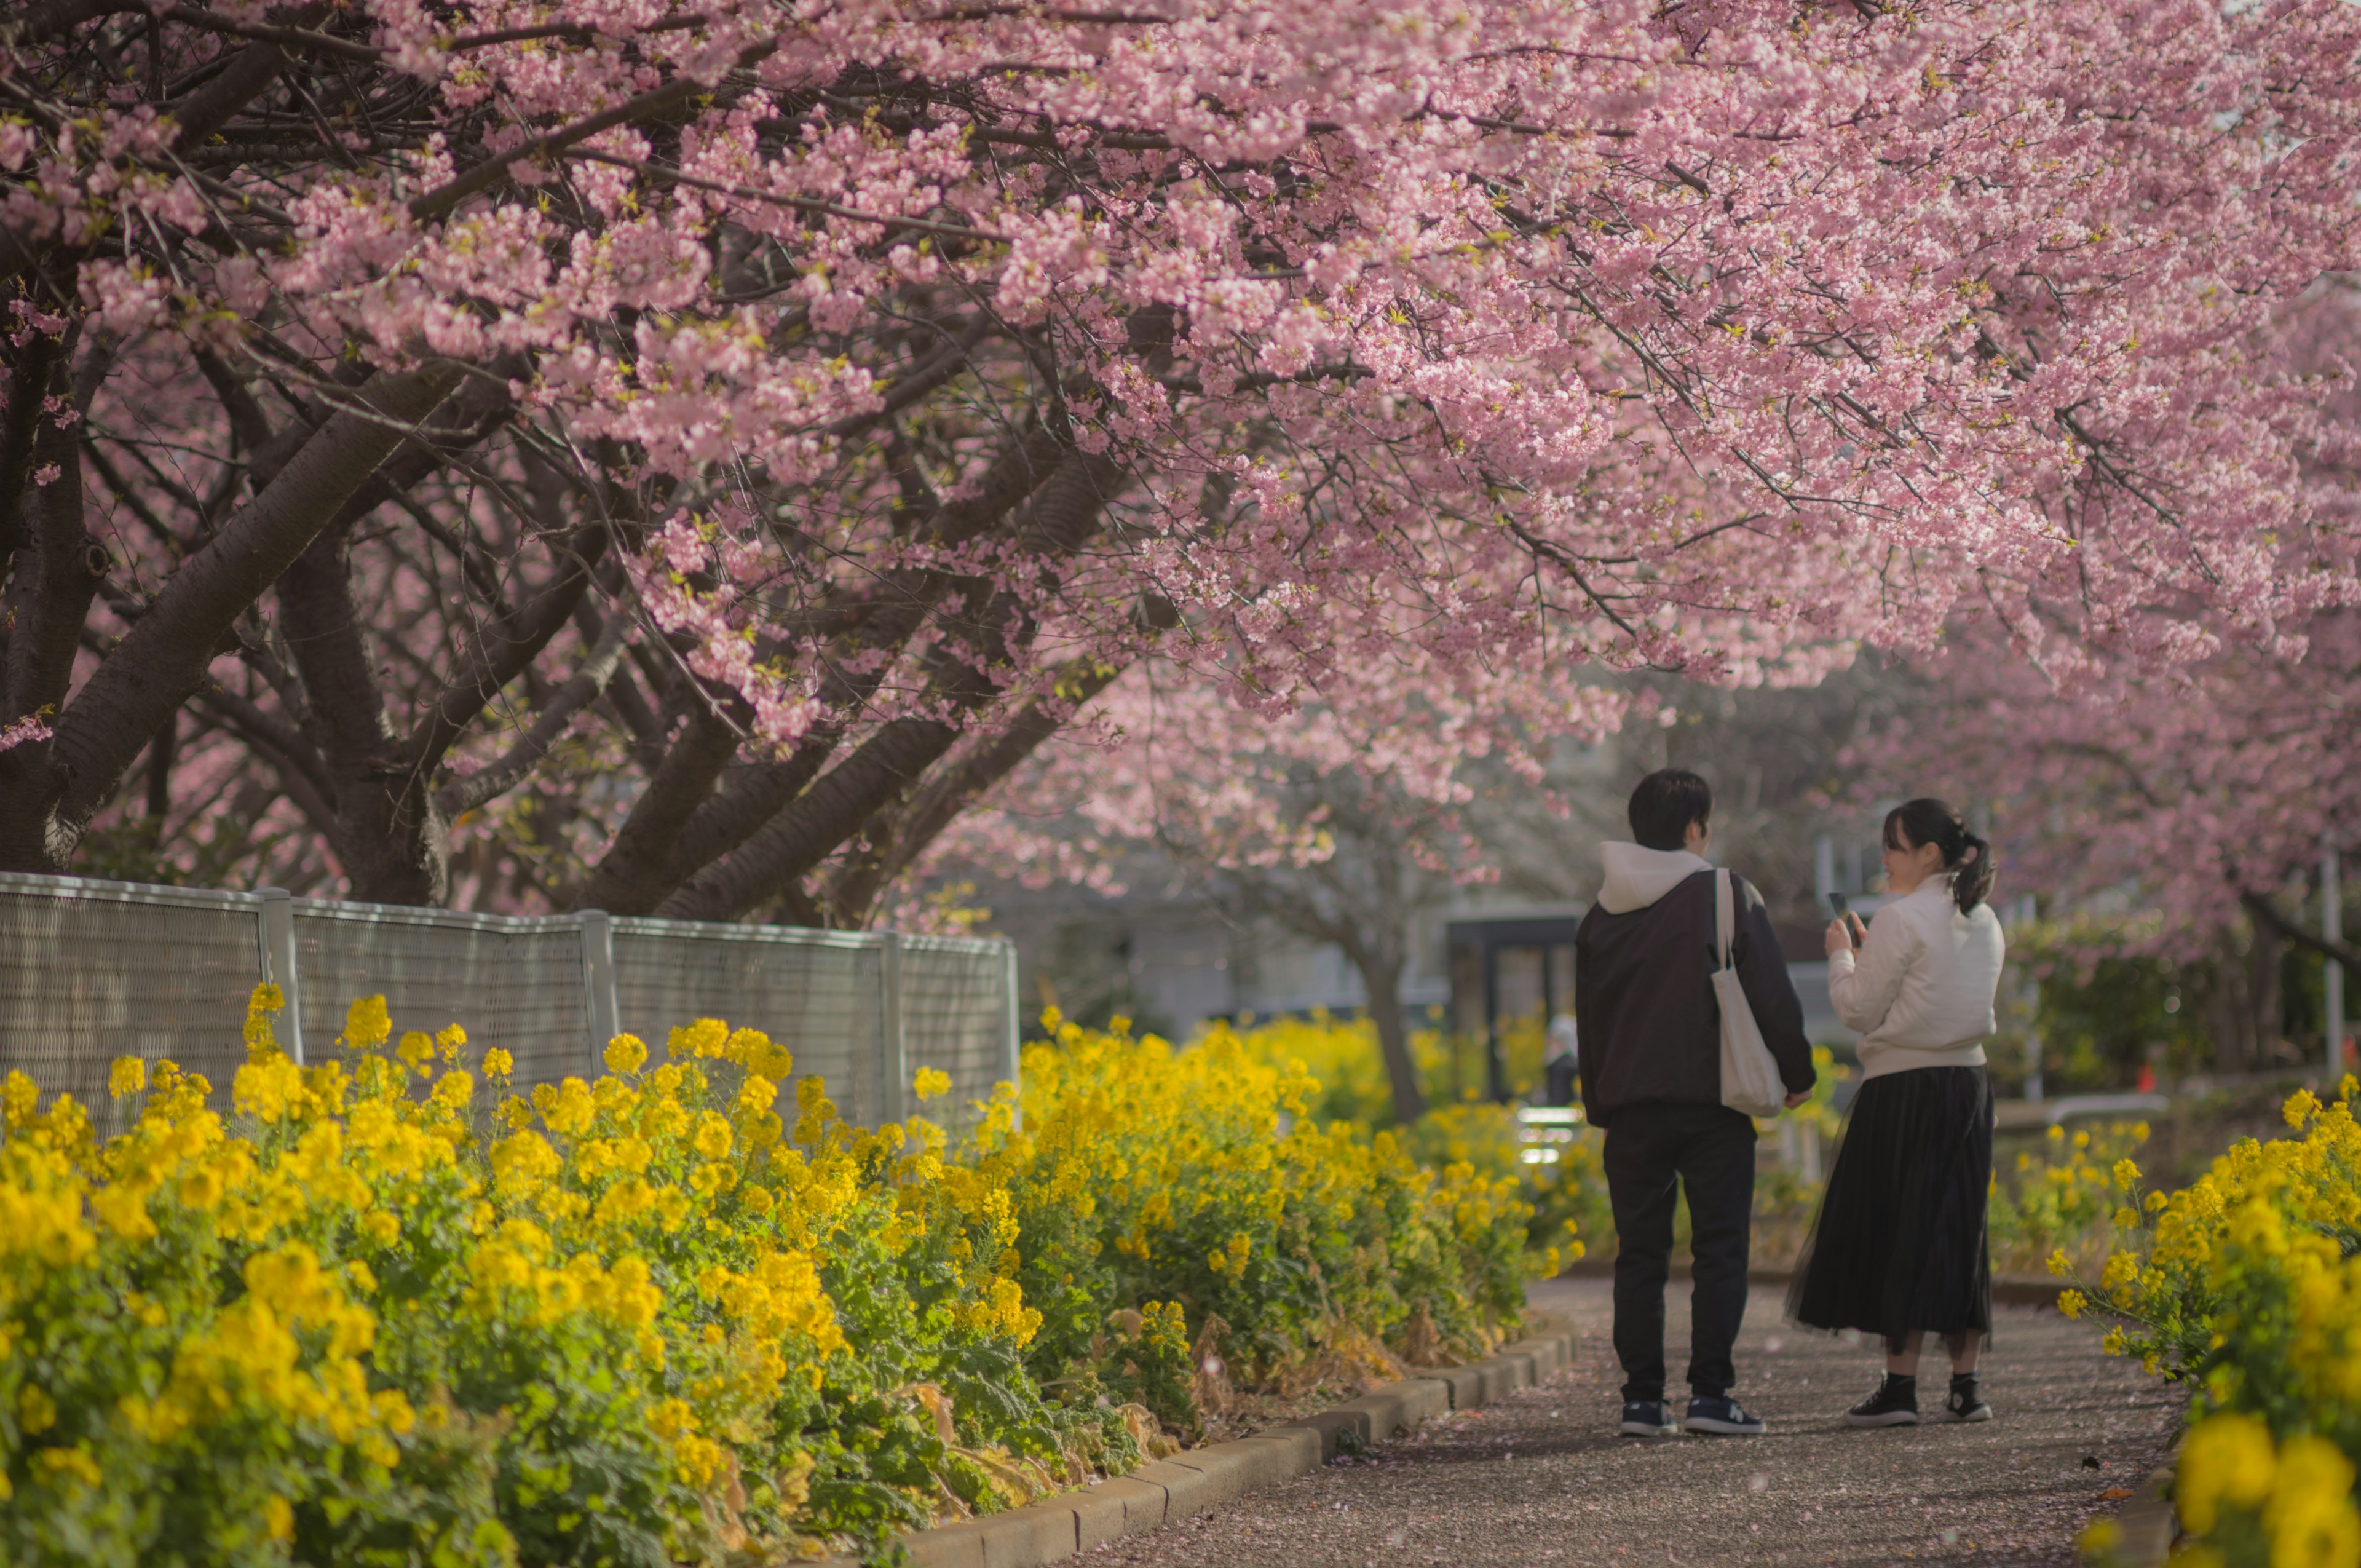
x=2102, y=1004
x=2242, y=1286
x=651, y=1320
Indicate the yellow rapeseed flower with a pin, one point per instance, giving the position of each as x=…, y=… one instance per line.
x=368, y=1025
x=128, y=1076
x=2226, y=1458
x=73, y=1462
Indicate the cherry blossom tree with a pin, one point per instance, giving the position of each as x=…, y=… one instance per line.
x=628, y=453
x=1340, y=834
x=2198, y=793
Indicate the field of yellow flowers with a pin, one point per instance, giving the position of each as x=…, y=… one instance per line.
x=2247, y=1287
x=384, y=1312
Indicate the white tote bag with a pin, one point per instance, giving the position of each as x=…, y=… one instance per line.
x=1749, y=1078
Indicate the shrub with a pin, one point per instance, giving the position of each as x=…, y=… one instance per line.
x=2247, y=1287
x=1197, y=1177
x=635, y=1321
x=1568, y=1199
x=372, y=1318
x=2061, y=1196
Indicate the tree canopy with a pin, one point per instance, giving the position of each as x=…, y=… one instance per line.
x=660, y=457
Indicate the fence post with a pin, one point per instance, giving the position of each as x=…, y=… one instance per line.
x=1012, y=1036
x=278, y=912
x=894, y=1092
x=2332, y=928
x=599, y=1004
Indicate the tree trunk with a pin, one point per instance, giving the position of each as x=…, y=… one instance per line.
x=1382, y=978
x=147, y=675
x=2265, y=999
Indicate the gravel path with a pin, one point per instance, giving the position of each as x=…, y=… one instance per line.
x=1543, y=1479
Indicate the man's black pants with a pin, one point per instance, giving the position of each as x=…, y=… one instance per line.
x=1709, y=1150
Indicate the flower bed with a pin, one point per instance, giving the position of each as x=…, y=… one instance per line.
x=2247, y=1287
x=2062, y=1195
x=378, y=1317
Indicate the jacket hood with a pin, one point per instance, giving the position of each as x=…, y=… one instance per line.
x=1636, y=877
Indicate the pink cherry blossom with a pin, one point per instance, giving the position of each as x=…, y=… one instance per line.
x=655, y=457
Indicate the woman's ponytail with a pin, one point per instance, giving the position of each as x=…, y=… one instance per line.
x=1968, y=858
x=1971, y=883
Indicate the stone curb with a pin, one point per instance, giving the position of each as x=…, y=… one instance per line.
x=1056, y=1528
x=2148, y=1523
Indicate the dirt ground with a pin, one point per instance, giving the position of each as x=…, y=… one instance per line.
x=1542, y=1478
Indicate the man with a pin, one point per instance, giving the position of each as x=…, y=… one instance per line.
x=1643, y=961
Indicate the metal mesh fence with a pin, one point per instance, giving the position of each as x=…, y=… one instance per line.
x=512, y=983
x=956, y=1017
x=93, y=971
x=820, y=994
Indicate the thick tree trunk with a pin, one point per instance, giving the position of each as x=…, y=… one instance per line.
x=53, y=574
x=1382, y=978
x=391, y=834
x=892, y=762
x=897, y=839
x=2265, y=1000
x=387, y=835
x=683, y=824
x=630, y=878
x=828, y=814
x=54, y=788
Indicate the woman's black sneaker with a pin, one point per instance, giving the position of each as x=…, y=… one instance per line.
x=1966, y=1400
x=1721, y=1416
x=1895, y=1404
x=1647, y=1417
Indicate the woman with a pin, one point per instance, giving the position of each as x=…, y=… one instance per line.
x=1898, y=1248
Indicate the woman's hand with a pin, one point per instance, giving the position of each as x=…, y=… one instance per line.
x=1839, y=939
x=1795, y=1100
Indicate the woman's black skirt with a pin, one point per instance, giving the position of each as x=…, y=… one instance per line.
x=1899, y=1243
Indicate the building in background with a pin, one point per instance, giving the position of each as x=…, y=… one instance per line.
x=1171, y=963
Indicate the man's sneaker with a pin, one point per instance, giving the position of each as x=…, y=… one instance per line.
x=1966, y=1400
x=1895, y=1404
x=1722, y=1415
x=1647, y=1417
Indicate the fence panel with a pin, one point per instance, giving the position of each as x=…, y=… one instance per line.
x=957, y=1011
x=819, y=993
x=510, y=982
x=91, y=971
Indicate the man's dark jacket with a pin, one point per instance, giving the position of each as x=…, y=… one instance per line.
x=1650, y=1027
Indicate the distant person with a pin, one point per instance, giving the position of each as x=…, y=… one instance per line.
x=1561, y=1061
x=1898, y=1248
x=1643, y=960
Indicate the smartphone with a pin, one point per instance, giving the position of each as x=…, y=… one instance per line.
x=1837, y=907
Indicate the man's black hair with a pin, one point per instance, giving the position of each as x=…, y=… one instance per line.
x=1665, y=805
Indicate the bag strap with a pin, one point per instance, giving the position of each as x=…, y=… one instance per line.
x=1723, y=918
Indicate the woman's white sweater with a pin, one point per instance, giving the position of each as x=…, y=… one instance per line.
x=1920, y=989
